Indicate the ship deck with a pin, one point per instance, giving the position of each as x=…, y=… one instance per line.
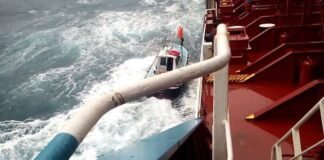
x=275, y=74
x=253, y=139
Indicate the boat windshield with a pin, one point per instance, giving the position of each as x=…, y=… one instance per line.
x=167, y=62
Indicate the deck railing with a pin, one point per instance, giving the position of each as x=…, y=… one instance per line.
x=63, y=145
x=200, y=79
x=276, y=153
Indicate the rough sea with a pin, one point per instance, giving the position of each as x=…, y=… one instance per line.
x=56, y=54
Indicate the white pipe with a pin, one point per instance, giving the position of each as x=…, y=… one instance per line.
x=88, y=115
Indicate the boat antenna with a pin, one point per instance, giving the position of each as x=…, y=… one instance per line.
x=165, y=41
x=180, y=34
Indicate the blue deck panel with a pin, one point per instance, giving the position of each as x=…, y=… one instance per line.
x=158, y=146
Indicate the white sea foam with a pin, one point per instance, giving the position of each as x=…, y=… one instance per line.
x=31, y=137
x=116, y=129
x=173, y=8
x=117, y=36
x=129, y=72
x=32, y=11
x=88, y=1
x=129, y=123
x=149, y=2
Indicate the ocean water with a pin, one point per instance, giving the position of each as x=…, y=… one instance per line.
x=54, y=55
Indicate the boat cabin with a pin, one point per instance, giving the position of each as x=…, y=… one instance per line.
x=163, y=64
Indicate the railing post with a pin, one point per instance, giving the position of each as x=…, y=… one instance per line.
x=297, y=144
x=278, y=152
x=210, y=4
x=273, y=153
x=220, y=109
x=321, y=105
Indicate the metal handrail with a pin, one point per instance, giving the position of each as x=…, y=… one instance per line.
x=63, y=145
x=200, y=79
x=308, y=149
x=276, y=153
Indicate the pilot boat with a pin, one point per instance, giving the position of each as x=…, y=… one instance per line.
x=169, y=59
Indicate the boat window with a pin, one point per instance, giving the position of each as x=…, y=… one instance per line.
x=163, y=61
x=170, y=64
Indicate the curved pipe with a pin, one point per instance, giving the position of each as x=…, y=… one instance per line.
x=88, y=115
